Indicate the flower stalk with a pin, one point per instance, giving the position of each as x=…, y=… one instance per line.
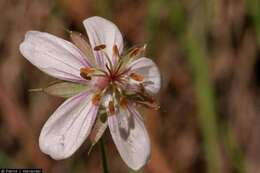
x=104, y=156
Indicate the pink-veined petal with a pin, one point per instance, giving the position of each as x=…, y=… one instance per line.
x=68, y=126
x=53, y=55
x=148, y=69
x=130, y=137
x=101, y=31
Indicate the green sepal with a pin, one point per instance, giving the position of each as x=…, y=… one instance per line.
x=64, y=89
x=98, y=130
x=81, y=42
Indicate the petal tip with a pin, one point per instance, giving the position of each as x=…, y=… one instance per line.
x=93, y=18
x=55, y=151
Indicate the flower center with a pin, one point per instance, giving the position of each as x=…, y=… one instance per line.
x=100, y=79
x=100, y=82
x=118, y=80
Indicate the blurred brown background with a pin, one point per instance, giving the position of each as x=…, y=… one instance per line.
x=209, y=56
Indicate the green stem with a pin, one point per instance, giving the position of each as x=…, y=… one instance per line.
x=206, y=103
x=195, y=42
x=103, y=155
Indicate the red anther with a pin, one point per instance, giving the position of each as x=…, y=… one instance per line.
x=96, y=99
x=137, y=77
x=99, y=47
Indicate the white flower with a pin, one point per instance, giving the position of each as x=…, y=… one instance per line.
x=104, y=86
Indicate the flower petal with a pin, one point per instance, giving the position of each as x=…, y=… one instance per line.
x=130, y=137
x=101, y=31
x=54, y=56
x=68, y=127
x=148, y=69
